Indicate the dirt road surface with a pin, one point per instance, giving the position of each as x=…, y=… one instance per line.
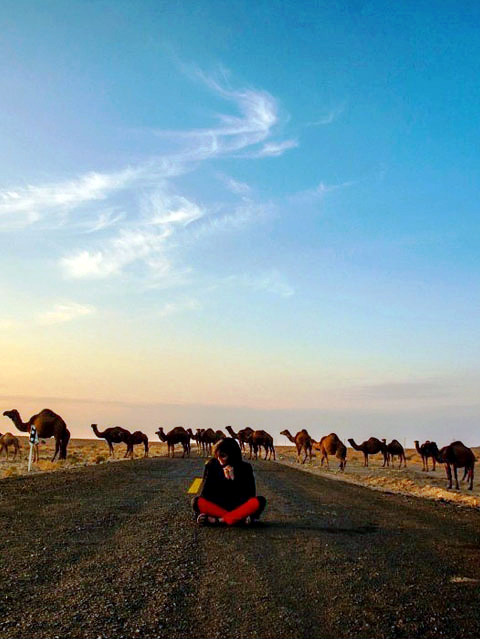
x=112, y=551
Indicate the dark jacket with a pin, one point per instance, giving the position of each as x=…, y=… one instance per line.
x=228, y=494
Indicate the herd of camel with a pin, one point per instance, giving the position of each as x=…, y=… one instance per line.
x=48, y=424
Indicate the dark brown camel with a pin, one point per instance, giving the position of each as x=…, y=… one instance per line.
x=333, y=446
x=177, y=435
x=458, y=456
x=260, y=439
x=302, y=441
x=208, y=439
x=114, y=435
x=196, y=437
x=243, y=436
x=219, y=435
x=9, y=440
x=426, y=451
x=394, y=448
x=137, y=437
x=48, y=424
x=370, y=447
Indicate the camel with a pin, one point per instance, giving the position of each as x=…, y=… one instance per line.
x=457, y=455
x=47, y=424
x=114, y=435
x=219, y=435
x=332, y=445
x=302, y=440
x=243, y=437
x=370, y=447
x=9, y=440
x=137, y=437
x=394, y=448
x=260, y=439
x=208, y=438
x=427, y=450
x=197, y=437
x=177, y=435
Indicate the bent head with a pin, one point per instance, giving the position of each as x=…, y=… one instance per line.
x=228, y=452
x=10, y=414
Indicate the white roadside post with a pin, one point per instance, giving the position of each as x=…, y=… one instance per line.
x=33, y=439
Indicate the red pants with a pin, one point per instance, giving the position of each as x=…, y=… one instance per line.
x=248, y=508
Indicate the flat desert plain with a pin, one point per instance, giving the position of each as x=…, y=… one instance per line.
x=409, y=481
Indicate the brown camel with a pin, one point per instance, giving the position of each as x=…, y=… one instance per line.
x=427, y=450
x=137, y=437
x=370, y=447
x=47, y=424
x=394, y=448
x=332, y=445
x=260, y=439
x=208, y=439
x=9, y=440
x=219, y=435
x=197, y=437
x=243, y=436
x=177, y=435
x=457, y=455
x=114, y=435
x=302, y=440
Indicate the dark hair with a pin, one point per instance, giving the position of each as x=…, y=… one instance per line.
x=229, y=447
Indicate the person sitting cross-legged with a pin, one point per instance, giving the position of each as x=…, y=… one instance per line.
x=228, y=489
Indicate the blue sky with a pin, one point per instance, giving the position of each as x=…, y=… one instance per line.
x=248, y=208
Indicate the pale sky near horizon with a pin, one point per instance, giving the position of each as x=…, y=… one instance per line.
x=260, y=213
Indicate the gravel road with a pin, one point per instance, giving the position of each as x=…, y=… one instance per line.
x=112, y=551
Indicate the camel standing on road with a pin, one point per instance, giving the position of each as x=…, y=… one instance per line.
x=114, y=435
x=394, y=448
x=333, y=446
x=426, y=451
x=260, y=439
x=302, y=441
x=137, y=437
x=457, y=455
x=244, y=436
x=177, y=435
x=48, y=424
x=9, y=440
x=370, y=447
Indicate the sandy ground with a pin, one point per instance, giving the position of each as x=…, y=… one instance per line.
x=409, y=481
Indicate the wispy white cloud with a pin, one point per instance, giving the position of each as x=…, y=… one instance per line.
x=232, y=218
x=274, y=149
x=134, y=220
x=104, y=220
x=319, y=191
x=28, y=204
x=128, y=247
x=235, y=186
x=64, y=312
x=328, y=117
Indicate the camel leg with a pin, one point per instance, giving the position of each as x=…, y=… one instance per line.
x=456, y=476
x=449, y=475
x=57, y=449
